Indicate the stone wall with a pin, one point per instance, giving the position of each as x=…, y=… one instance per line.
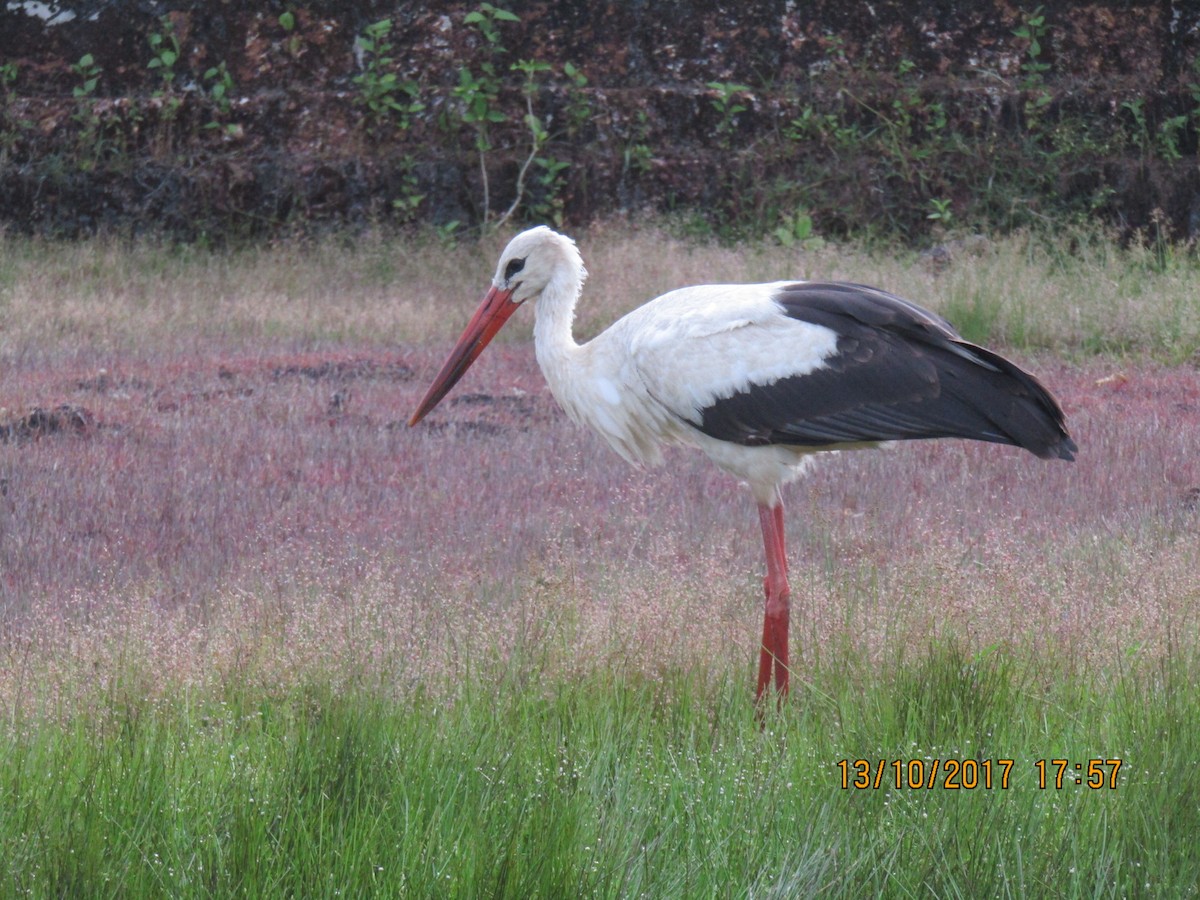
x=746, y=116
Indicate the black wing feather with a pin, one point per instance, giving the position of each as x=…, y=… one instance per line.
x=899, y=373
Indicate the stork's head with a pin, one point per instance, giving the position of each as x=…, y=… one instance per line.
x=534, y=262
x=534, y=259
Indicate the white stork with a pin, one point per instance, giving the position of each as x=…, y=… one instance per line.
x=759, y=377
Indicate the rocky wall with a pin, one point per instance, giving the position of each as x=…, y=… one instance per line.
x=862, y=116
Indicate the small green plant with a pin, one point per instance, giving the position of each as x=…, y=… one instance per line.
x=164, y=49
x=825, y=128
x=1139, y=132
x=549, y=203
x=1033, y=30
x=835, y=51
x=1170, y=134
x=1164, y=141
x=293, y=45
x=478, y=94
x=795, y=230
x=538, y=135
x=578, y=110
x=89, y=74
x=88, y=140
x=447, y=233
x=638, y=153
x=8, y=77
x=939, y=211
x=893, y=135
x=388, y=99
x=9, y=131
x=728, y=103
x=220, y=88
x=1194, y=91
x=486, y=20
x=638, y=157
x=406, y=205
x=165, y=55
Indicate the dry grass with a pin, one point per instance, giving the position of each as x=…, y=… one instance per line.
x=248, y=502
x=1079, y=294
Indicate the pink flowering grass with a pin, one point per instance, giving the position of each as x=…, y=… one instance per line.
x=246, y=504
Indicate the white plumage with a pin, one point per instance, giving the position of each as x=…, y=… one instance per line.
x=758, y=377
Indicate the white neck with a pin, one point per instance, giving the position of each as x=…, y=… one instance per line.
x=553, y=317
x=586, y=378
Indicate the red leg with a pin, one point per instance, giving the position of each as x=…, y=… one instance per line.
x=774, y=653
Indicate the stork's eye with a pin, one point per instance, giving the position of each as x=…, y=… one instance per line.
x=514, y=266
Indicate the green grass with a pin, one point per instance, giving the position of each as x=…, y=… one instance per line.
x=609, y=786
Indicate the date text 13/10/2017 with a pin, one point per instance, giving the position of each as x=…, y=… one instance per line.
x=972, y=774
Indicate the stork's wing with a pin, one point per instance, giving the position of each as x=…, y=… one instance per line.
x=835, y=363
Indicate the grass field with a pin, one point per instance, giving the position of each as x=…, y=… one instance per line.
x=259, y=638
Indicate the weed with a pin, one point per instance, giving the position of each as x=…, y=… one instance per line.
x=728, y=104
x=826, y=128
x=578, y=108
x=550, y=180
x=88, y=144
x=8, y=77
x=637, y=155
x=486, y=20
x=1170, y=137
x=293, y=45
x=408, y=203
x=9, y=130
x=538, y=136
x=1139, y=132
x=88, y=72
x=220, y=90
x=389, y=101
x=940, y=211
x=164, y=49
x=478, y=94
x=447, y=233
x=165, y=55
x=796, y=230
x=1033, y=31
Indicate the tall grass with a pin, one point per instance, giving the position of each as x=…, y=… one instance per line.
x=1076, y=292
x=258, y=637
x=615, y=786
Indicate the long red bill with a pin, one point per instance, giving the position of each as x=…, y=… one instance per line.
x=493, y=312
